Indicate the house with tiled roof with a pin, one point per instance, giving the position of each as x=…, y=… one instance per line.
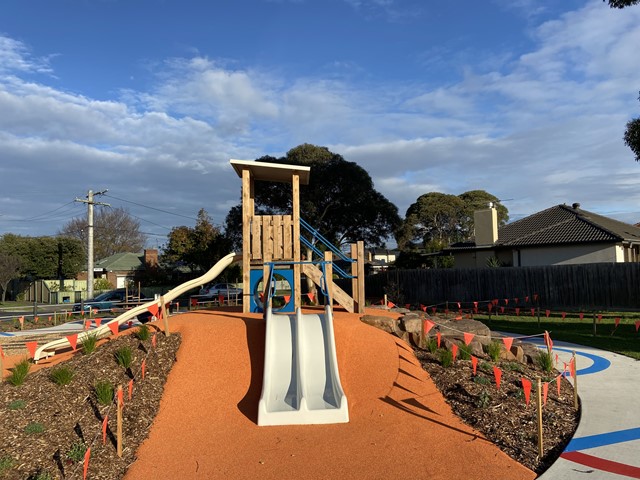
x=120, y=267
x=559, y=235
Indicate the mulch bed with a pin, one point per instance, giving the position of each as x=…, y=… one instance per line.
x=502, y=415
x=71, y=417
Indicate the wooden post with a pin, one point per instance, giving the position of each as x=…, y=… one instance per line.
x=165, y=316
x=355, y=279
x=328, y=280
x=247, y=218
x=297, y=254
x=119, y=422
x=540, y=439
x=361, y=279
x=386, y=302
x=574, y=373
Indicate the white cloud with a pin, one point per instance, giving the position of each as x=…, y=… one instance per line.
x=15, y=56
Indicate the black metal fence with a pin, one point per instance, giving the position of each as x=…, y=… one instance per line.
x=596, y=285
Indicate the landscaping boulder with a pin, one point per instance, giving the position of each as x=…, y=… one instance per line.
x=387, y=324
x=457, y=328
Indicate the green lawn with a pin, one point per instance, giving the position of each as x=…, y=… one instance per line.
x=623, y=340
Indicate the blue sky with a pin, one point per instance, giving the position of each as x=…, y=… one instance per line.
x=150, y=99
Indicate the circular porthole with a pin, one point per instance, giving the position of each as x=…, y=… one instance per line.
x=282, y=296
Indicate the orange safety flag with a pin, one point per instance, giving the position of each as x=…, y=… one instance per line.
x=508, y=341
x=526, y=386
x=547, y=313
x=599, y=317
x=221, y=298
x=526, y=299
x=495, y=302
x=497, y=373
x=104, y=429
x=545, y=392
x=506, y=301
x=474, y=363
x=287, y=298
x=87, y=324
x=31, y=348
x=518, y=311
x=144, y=367
x=637, y=325
x=564, y=314
x=516, y=299
x=617, y=321
x=423, y=308
x=312, y=297
x=21, y=320
x=454, y=350
x=501, y=309
x=490, y=307
x=73, y=340
x=130, y=323
x=428, y=325
x=535, y=297
x=533, y=312
x=468, y=337
x=113, y=325
x=459, y=307
x=438, y=338
x=154, y=309
x=1, y=354
x=390, y=304
x=475, y=309
x=98, y=322
x=581, y=315
x=120, y=397
x=446, y=311
x=547, y=341
x=35, y=319
x=130, y=388
x=86, y=463
x=433, y=310
x=194, y=301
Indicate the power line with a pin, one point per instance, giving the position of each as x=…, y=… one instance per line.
x=152, y=208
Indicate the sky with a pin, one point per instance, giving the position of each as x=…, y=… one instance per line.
x=527, y=99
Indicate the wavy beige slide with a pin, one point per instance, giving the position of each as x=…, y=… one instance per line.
x=48, y=349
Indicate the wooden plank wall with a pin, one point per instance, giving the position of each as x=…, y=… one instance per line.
x=271, y=238
x=588, y=286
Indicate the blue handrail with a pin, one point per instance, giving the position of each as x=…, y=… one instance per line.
x=313, y=248
x=325, y=242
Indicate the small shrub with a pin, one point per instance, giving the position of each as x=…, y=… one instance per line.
x=104, y=392
x=482, y=380
x=464, y=351
x=5, y=464
x=41, y=475
x=61, y=376
x=89, y=343
x=124, y=357
x=432, y=345
x=483, y=400
x=545, y=361
x=34, y=428
x=143, y=333
x=494, y=349
x=446, y=357
x=77, y=451
x=513, y=366
x=485, y=367
x=19, y=373
x=17, y=404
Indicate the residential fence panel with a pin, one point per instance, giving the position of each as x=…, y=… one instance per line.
x=587, y=286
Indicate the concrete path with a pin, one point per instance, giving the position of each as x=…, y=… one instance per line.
x=606, y=445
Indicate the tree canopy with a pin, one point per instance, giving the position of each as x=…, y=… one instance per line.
x=340, y=200
x=621, y=3
x=436, y=219
x=115, y=231
x=45, y=257
x=9, y=269
x=632, y=136
x=198, y=247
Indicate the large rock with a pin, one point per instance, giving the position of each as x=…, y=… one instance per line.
x=457, y=328
x=387, y=324
x=412, y=322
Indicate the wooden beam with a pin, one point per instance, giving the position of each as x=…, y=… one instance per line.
x=247, y=216
x=361, y=277
x=297, y=298
x=339, y=295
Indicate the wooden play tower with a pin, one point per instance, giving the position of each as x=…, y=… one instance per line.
x=277, y=238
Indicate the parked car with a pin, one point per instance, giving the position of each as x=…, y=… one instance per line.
x=215, y=290
x=104, y=301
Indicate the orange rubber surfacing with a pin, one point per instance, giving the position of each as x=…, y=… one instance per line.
x=400, y=426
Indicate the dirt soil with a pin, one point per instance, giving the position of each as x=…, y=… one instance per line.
x=503, y=415
x=70, y=416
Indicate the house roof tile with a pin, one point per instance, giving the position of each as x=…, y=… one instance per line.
x=121, y=262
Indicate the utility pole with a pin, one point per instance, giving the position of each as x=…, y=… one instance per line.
x=90, y=203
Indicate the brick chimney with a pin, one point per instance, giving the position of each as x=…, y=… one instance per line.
x=151, y=257
x=486, y=226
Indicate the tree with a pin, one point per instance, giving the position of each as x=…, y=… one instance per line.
x=436, y=219
x=632, y=136
x=340, y=200
x=9, y=269
x=115, y=231
x=199, y=247
x=622, y=3
x=45, y=257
